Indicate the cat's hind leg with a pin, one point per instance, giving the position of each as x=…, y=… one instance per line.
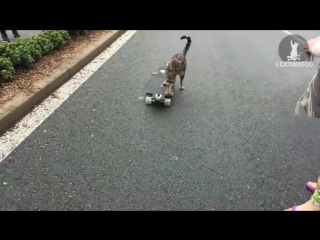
x=181, y=76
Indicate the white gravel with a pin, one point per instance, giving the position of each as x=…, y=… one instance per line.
x=11, y=139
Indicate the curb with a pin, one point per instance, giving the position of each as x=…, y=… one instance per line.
x=12, y=111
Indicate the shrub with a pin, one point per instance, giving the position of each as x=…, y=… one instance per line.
x=19, y=54
x=24, y=52
x=44, y=43
x=64, y=34
x=54, y=36
x=32, y=46
x=3, y=48
x=77, y=32
x=6, y=69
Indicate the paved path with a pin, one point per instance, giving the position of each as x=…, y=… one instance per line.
x=23, y=33
x=228, y=142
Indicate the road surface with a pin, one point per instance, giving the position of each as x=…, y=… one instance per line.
x=229, y=141
x=23, y=33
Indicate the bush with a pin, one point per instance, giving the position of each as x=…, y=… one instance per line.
x=3, y=48
x=77, y=32
x=24, y=52
x=6, y=69
x=32, y=46
x=54, y=37
x=64, y=34
x=44, y=43
x=19, y=54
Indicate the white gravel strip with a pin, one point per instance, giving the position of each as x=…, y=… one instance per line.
x=11, y=139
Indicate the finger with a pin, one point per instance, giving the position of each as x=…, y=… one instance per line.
x=315, y=49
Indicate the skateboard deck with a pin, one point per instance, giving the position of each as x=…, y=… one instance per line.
x=156, y=91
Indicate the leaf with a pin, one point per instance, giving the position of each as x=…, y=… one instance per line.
x=55, y=95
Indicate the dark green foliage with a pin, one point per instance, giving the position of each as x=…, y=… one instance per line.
x=6, y=69
x=24, y=52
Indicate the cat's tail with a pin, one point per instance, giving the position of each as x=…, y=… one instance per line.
x=185, y=50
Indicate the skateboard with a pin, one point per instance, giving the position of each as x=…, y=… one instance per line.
x=156, y=91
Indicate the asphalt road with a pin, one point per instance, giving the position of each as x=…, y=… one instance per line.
x=229, y=141
x=23, y=33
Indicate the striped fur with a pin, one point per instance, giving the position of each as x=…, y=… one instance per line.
x=177, y=65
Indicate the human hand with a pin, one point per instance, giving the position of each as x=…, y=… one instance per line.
x=313, y=46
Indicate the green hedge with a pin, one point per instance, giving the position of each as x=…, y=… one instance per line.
x=77, y=32
x=24, y=52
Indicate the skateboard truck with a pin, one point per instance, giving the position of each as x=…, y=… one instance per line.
x=157, y=98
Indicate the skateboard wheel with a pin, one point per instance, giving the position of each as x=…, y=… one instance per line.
x=148, y=100
x=167, y=102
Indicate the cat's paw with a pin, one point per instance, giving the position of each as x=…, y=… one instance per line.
x=168, y=93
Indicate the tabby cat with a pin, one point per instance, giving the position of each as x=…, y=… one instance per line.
x=177, y=65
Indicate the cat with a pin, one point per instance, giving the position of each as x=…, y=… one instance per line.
x=177, y=65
